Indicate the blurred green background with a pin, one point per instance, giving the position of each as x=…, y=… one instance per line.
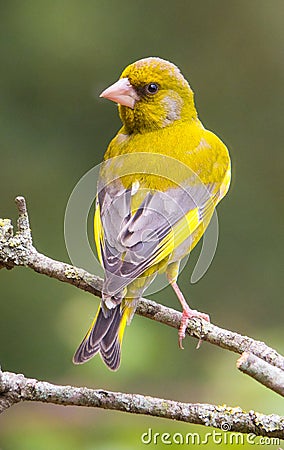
x=56, y=57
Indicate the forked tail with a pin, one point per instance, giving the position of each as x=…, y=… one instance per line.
x=104, y=336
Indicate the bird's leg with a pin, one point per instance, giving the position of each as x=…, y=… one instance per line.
x=187, y=313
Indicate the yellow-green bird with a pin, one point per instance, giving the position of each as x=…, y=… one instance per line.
x=163, y=175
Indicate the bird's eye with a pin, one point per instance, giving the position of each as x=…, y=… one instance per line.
x=152, y=88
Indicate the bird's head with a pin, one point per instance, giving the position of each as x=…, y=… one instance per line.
x=151, y=94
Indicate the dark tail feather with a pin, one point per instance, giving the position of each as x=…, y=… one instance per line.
x=104, y=336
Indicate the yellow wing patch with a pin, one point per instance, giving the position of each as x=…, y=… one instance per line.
x=98, y=232
x=182, y=230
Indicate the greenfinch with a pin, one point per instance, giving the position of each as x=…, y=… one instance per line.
x=162, y=176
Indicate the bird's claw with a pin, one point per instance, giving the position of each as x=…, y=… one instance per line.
x=188, y=314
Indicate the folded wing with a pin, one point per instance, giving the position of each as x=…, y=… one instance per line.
x=131, y=240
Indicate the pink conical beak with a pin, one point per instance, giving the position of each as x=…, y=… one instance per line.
x=121, y=92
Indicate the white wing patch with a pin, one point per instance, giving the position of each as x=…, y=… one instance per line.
x=135, y=187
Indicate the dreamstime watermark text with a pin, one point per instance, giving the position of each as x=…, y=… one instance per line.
x=213, y=437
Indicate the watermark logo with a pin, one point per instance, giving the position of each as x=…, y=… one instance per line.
x=119, y=183
x=213, y=437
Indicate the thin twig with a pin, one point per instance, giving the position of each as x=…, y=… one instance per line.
x=222, y=417
x=270, y=376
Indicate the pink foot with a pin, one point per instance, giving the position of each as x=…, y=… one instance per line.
x=188, y=314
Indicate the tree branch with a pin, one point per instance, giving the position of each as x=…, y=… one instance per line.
x=16, y=388
x=18, y=250
x=268, y=375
